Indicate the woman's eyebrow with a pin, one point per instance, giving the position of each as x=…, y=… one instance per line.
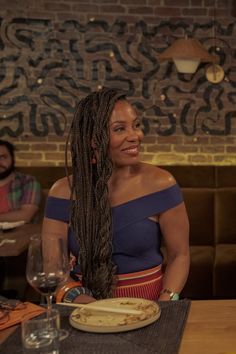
x=124, y=121
x=118, y=121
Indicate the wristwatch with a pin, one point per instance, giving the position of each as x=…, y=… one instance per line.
x=173, y=296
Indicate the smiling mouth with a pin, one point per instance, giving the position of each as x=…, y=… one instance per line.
x=131, y=150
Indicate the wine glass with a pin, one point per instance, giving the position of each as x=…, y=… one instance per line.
x=47, y=265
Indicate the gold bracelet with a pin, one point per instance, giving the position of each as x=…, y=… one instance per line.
x=63, y=290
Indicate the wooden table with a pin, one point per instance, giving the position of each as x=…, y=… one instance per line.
x=21, y=235
x=210, y=328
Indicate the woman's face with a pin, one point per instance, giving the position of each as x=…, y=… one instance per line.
x=125, y=134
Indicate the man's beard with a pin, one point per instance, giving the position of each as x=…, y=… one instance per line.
x=7, y=172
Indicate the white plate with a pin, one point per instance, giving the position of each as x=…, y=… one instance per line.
x=10, y=225
x=102, y=322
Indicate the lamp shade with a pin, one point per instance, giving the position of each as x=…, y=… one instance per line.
x=187, y=53
x=186, y=66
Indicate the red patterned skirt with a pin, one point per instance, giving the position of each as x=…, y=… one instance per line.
x=146, y=284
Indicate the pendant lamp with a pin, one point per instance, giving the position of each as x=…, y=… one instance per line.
x=187, y=53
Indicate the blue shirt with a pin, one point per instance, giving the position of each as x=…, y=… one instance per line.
x=136, y=238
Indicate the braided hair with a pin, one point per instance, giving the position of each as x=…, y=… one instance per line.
x=90, y=215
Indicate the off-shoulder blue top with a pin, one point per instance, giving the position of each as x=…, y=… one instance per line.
x=136, y=238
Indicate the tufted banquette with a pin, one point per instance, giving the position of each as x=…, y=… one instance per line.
x=210, y=197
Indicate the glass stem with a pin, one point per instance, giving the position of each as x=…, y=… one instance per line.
x=49, y=304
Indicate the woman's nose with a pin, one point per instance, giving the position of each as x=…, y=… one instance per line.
x=132, y=135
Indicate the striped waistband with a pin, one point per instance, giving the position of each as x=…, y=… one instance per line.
x=140, y=277
x=136, y=277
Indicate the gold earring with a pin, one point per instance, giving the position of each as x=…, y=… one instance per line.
x=93, y=159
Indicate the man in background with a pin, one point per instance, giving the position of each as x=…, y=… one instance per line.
x=20, y=194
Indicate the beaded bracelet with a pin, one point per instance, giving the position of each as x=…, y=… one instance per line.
x=76, y=291
x=63, y=290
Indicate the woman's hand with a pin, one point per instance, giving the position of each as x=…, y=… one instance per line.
x=84, y=299
x=164, y=297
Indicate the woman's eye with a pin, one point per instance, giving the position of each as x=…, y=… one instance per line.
x=118, y=129
x=138, y=125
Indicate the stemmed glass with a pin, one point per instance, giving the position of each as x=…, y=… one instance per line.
x=47, y=265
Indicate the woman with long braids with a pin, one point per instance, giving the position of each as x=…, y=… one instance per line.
x=114, y=210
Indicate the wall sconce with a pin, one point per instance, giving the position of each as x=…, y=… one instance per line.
x=187, y=53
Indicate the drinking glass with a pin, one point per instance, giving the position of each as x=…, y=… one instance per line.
x=41, y=334
x=47, y=265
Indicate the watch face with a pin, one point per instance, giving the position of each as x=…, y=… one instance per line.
x=175, y=296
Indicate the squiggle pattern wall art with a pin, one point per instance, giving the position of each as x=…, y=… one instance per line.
x=46, y=68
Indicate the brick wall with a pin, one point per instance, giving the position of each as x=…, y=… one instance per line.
x=54, y=52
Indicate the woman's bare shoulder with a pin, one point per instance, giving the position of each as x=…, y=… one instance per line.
x=157, y=178
x=60, y=189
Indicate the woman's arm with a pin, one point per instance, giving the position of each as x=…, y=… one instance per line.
x=175, y=230
x=68, y=290
x=53, y=226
